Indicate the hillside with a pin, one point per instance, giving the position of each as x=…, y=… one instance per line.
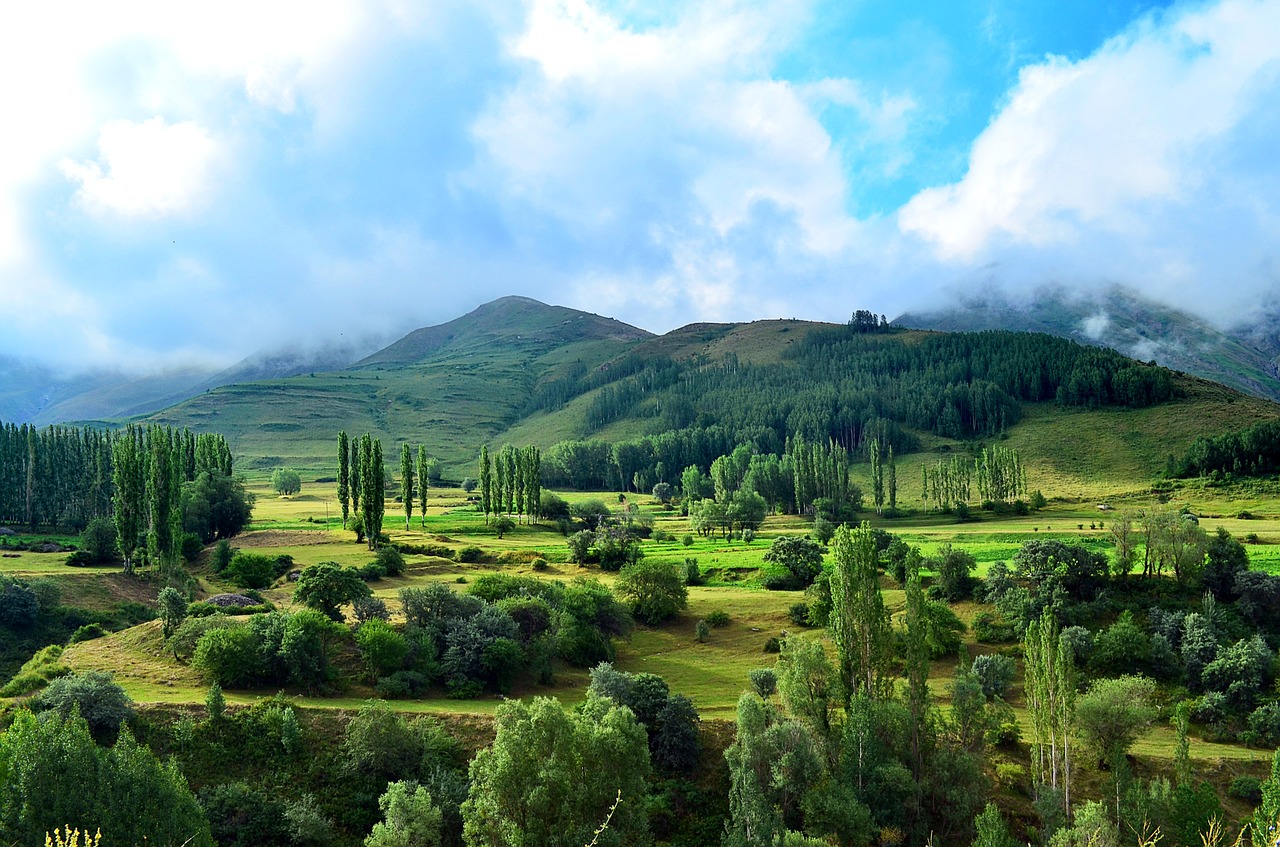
x=519, y=371
x=1243, y=358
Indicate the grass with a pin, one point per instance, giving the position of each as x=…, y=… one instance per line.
x=713, y=674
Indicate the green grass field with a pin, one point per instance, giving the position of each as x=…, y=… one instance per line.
x=307, y=527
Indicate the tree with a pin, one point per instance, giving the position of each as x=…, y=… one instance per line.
x=1225, y=558
x=286, y=481
x=407, y=489
x=531, y=788
x=216, y=506
x=662, y=492
x=129, y=485
x=424, y=482
x=54, y=775
x=486, y=482
x=1111, y=715
x=1050, y=690
x=410, y=818
x=98, y=540
x=327, y=587
x=653, y=591
x=797, y=554
x=859, y=622
x=172, y=607
x=344, y=477
x=97, y=697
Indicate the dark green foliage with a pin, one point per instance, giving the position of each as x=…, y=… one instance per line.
x=499, y=586
x=19, y=607
x=1225, y=559
x=1254, y=451
x=382, y=648
x=652, y=591
x=718, y=618
x=764, y=681
x=98, y=540
x=616, y=547
x=1050, y=564
x=327, y=587
x=799, y=555
x=250, y=570
x=953, y=569
x=56, y=776
x=1264, y=725
x=390, y=559
x=243, y=816
x=215, y=506
x=229, y=656
x=222, y=555
x=99, y=699
x=470, y=554
x=994, y=672
x=1246, y=788
x=1240, y=672
x=527, y=781
x=172, y=607
x=1120, y=648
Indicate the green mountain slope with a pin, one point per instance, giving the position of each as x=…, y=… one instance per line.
x=520, y=371
x=449, y=387
x=1244, y=359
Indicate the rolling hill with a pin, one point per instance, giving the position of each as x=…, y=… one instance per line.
x=518, y=370
x=1244, y=358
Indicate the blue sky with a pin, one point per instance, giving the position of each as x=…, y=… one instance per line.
x=193, y=182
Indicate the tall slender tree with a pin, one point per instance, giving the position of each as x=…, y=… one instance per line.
x=130, y=492
x=424, y=479
x=407, y=490
x=357, y=476
x=344, y=477
x=859, y=622
x=1050, y=689
x=486, y=482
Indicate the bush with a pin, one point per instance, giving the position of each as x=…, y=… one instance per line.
x=99, y=699
x=402, y=684
x=994, y=672
x=222, y=555
x=80, y=559
x=989, y=628
x=228, y=655
x=88, y=632
x=686, y=540
x=692, y=574
x=718, y=618
x=1246, y=788
x=799, y=614
x=369, y=608
x=390, y=560
x=702, y=631
x=653, y=591
x=98, y=540
x=470, y=554
x=251, y=570
x=1264, y=723
x=286, y=481
x=371, y=572
x=327, y=587
x=383, y=649
x=773, y=645
x=764, y=681
x=539, y=564
x=778, y=578
x=19, y=607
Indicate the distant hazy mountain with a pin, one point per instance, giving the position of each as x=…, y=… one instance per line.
x=1243, y=358
x=33, y=393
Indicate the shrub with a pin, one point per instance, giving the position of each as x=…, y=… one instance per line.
x=764, y=681
x=686, y=540
x=19, y=607
x=773, y=645
x=80, y=559
x=98, y=541
x=995, y=673
x=1246, y=788
x=748, y=535
x=371, y=572
x=470, y=554
x=702, y=631
x=653, y=591
x=402, y=684
x=778, y=578
x=229, y=656
x=370, y=608
x=222, y=555
x=692, y=574
x=1264, y=722
x=383, y=649
x=327, y=587
x=390, y=560
x=989, y=628
x=251, y=570
x=88, y=632
x=99, y=699
x=799, y=613
x=718, y=618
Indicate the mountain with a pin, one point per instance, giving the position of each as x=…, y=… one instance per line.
x=449, y=386
x=1243, y=358
x=33, y=393
x=523, y=372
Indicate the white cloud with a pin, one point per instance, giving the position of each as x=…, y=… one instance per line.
x=147, y=169
x=1126, y=166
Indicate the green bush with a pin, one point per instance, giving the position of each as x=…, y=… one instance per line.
x=799, y=613
x=539, y=564
x=1246, y=788
x=778, y=578
x=773, y=645
x=383, y=649
x=702, y=631
x=251, y=570
x=718, y=618
x=390, y=559
x=95, y=695
x=229, y=656
x=470, y=555
x=686, y=540
x=88, y=632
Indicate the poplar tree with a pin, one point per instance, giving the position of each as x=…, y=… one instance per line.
x=344, y=477
x=357, y=478
x=916, y=661
x=486, y=482
x=423, y=482
x=893, y=483
x=1050, y=690
x=533, y=479
x=877, y=476
x=859, y=622
x=128, y=502
x=499, y=483
x=377, y=494
x=407, y=491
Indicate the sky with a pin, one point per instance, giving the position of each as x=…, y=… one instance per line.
x=192, y=182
